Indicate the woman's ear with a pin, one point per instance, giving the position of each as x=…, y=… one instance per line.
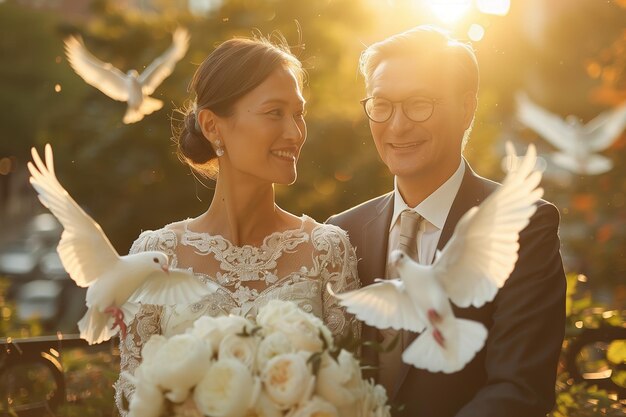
x=469, y=108
x=207, y=121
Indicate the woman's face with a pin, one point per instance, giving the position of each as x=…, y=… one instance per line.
x=264, y=135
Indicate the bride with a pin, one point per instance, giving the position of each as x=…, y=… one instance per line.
x=245, y=129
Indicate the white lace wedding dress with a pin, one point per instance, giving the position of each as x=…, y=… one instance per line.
x=293, y=265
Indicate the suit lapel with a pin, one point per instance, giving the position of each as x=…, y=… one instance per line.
x=375, y=240
x=470, y=194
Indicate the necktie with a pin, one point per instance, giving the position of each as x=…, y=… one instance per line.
x=409, y=226
x=390, y=363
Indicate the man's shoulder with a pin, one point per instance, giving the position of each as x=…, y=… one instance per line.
x=544, y=207
x=360, y=212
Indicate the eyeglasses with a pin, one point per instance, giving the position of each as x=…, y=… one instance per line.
x=416, y=109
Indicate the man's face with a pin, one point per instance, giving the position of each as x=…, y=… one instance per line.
x=414, y=150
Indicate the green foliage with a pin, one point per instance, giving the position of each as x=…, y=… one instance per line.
x=586, y=399
x=582, y=400
x=10, y=324
x=89, y=378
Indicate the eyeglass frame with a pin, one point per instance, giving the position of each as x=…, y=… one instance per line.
x=433, y=102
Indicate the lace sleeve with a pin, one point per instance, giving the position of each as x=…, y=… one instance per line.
x=146, y=322
x=339, y=268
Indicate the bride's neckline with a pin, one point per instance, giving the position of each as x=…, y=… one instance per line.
x=206, y=236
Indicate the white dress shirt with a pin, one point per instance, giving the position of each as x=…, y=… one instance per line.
x=434, y=209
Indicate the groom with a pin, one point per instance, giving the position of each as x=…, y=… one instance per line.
x=422, y=87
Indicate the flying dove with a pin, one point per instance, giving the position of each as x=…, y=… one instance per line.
x=576, y=143
x=130, y=87
x=474, y=264
x=115, y=283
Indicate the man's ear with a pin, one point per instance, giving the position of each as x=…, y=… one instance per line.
x=469, y=108
x=207, y=120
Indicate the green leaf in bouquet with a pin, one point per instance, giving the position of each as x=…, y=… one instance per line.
x=378, y=347
x=315, y=360
x=252, y=332
x=348, y=342
x=325, y=343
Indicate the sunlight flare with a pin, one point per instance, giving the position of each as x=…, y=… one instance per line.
x=497, y=7
x=449, y=11
x=476, y=32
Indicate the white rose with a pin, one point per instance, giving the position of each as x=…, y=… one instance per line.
x=226, y=390
x=339, y=382
x=147, y=400
x=273, y=345
x=213, y=329
x=287, y=380
x=265, y=407
x=151, y=347
x=304, y=330
x=177, y=365
x=316, y=407
x=241, y=348
x=273, y=311
x=374, y=401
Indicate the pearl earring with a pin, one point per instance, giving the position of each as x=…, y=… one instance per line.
x=219, y=151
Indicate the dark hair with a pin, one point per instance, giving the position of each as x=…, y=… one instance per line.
x=429, y=43
x=233, y=69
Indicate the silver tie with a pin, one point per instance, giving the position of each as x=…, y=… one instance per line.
x=390, y=363
x=409, y=226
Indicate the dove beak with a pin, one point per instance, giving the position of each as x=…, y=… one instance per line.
x=165, y=269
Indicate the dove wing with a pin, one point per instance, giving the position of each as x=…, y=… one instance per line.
x=550, y=126
x=163, y=66
x=383, y=304
x=482, y=252
x=605, y=128
x=104, y=76
x=178, y=287
x=84, y=249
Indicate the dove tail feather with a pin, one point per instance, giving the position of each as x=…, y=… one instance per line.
x=148, y=105
x=425, y=353
x=95, y=327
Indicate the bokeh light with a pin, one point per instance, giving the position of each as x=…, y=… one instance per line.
x=496, y=7
x=449, y=11
x=476, y=32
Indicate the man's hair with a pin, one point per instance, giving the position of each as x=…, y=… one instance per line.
x=429, y=43
x=456, y=59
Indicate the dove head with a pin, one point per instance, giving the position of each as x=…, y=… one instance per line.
x=573, y=120
x=398, y=258
x=157, y=260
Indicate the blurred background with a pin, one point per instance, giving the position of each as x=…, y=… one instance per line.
x=568, y=57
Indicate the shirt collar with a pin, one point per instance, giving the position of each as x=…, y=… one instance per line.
x=435, y=207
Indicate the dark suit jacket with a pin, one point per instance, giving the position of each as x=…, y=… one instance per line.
x=514, y=374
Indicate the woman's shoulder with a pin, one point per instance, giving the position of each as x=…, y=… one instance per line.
x=324, y=234
x=164, y=239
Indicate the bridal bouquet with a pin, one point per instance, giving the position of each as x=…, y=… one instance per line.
x=282, y=365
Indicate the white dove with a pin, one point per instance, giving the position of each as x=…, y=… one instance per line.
x=130, y=87
x=115, y=282
x=576, y=143
x=475, y=263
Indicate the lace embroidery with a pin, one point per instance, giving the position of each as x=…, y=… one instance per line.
x=246, y=263
x=331, y=260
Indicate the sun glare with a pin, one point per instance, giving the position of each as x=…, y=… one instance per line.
x=497, y=7
x=476, y=32
x=449, y=11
